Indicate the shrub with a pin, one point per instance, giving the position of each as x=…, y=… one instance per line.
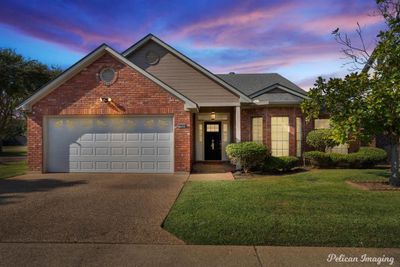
x=283, y=164
x=366, y=157
x=247, y=154
x=338, y=159
x=321, y=139
x=318, y=158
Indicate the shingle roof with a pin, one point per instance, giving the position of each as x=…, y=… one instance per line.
x=251, y=83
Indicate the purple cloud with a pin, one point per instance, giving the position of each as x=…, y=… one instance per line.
x=242, y=36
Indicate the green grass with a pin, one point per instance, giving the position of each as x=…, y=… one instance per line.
x=10, y=169
x=315, y=208
x=13, y=151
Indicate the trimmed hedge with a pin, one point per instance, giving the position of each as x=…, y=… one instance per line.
x=247, y=154
x=318, y=159
x=321, y=139
x=365, y=157
x=283, y=164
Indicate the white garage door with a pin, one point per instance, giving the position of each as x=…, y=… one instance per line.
x=109, y=144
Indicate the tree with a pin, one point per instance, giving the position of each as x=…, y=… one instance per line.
x=363, y=105
x=321, y=139
x=19, y=77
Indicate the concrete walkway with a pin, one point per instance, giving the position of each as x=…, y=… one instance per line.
x=88, y=208
x=92, y=254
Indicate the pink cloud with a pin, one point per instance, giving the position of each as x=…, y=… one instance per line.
x=346, y=22
x=269, y=63
x=235, y=20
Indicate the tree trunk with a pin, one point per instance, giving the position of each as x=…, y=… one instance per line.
x=394, y=162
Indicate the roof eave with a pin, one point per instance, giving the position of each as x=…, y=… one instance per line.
x=277, y=86
x=91, y=57
x=242, y=97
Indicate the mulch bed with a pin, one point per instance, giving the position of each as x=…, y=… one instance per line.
x=373, y=185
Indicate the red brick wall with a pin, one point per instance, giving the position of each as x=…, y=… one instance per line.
x=132, y=93
x=267, y=112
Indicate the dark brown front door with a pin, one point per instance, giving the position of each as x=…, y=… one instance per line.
x=212, y=140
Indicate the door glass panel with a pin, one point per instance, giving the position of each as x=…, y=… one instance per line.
x=212, y=128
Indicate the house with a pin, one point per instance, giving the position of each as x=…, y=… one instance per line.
x=151, y=109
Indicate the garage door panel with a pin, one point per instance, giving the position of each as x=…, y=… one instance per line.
x=86, y=137
x=87, y=151
x=101, y=137
x=117, y=137
x=164, y=137
x=132, y=165
x=124, y=144
x=86, y=165
x=117, y=151
x=148, y=137
x=148, y=165
x=133, y=151
x=133, y=137
x=163, y=151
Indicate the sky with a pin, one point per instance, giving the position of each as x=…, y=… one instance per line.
x=290, y=37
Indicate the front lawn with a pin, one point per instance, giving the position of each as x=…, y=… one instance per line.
x=315, y=208
x=10, y=169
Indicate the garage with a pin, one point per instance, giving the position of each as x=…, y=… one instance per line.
x=136, y=144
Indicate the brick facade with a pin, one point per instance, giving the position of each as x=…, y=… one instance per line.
x=132, y=94
x=266, y=113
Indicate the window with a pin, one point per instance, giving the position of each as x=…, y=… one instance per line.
x=152, y=58
x=257, y=129
x=280, y=136
x=341, y=149
x=201, y=133
x=212, y=128
x=324, y=124
x=298, y=136
x=321, y=124
x=107, y=75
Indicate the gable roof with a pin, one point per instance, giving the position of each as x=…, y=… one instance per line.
x=254, y=84
x=86, y=61
x=190, y=62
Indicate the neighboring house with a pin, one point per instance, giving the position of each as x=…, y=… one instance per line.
x=152, y=109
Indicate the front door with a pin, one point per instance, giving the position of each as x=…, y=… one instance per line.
x=212, y=140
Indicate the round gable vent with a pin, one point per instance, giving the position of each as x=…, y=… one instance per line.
x=107, y=75
x=152, y=57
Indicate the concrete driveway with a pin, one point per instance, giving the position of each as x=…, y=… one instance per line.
x=88, y=208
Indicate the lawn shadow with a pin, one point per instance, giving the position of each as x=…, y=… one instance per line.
x=10, y=188
x=283, y=173
x=384, y=173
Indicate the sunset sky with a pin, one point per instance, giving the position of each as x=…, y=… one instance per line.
x=292, y=38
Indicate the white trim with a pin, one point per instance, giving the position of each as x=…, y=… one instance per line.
x=224, y=104
x=237, y=124
x=69, y=73
x=130, y=50
x=277, y=86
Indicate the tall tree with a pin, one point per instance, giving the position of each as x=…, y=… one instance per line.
x=366, y=104
x=19, y=77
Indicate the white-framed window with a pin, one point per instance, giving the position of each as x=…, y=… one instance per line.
x=257, y=129
x=299, y=130
x=324, y=124
x=201, y=133
x=280, y=136
x=212, y=128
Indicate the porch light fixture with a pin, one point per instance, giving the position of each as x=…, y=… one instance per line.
x=105, y=99
x=212, y=116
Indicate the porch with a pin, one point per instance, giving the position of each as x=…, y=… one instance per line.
x=214, y=129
